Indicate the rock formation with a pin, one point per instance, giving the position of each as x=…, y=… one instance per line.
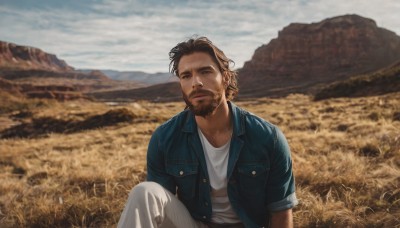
x=23, y=57
x=33, y=73
x=305, y=55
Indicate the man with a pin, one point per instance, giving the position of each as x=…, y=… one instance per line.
x=214, y=164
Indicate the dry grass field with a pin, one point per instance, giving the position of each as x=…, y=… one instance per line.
x=346, y=154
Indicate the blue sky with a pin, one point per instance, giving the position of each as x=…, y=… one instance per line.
x=137, y=35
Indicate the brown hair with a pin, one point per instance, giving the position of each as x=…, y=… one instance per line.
x=203, y=44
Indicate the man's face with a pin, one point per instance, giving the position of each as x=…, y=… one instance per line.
x=201, y=82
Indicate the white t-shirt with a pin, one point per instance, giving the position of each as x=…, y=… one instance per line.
x=217, y=165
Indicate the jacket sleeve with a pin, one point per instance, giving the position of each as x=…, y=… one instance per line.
x=156, y=171
x=280, y=186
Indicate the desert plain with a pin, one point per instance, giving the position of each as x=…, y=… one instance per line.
x=73, y=163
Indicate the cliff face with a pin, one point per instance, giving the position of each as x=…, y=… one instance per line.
x=307, y=54
x=22, y=57
x=33, y=73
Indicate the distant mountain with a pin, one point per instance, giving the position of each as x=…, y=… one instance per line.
x=306, y=56
x=139, y=76
x=13, y=56
x=381, y=82
x=35, y=73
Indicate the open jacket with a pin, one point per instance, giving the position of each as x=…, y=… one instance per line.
x=260, y=178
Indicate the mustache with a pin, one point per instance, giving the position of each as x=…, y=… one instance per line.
x=200, y=91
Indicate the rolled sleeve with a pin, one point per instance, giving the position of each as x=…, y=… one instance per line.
x=289, y=202
x=281, y=186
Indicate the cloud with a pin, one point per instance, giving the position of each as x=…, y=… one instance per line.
x=137, y=35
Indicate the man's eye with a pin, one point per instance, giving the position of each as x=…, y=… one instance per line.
x=183, y=76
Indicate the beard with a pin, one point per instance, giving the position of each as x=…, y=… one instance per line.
x=203, y=107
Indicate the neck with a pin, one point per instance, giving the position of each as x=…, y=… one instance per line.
x=218, y=121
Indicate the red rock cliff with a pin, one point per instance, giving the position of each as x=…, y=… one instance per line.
x=306, y=54
x=31, y=72
x=23, y=57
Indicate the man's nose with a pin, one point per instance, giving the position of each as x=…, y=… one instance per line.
x=196, y=82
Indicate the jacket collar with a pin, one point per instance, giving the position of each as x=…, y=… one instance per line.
x=190, y=125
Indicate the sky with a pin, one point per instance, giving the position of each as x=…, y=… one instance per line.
x=133, y=35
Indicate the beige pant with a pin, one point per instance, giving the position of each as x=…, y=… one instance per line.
x=151, y=205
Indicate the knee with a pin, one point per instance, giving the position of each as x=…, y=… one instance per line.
x=144, y=189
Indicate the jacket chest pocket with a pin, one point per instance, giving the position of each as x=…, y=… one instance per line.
x=253, y=177
x=185, y=176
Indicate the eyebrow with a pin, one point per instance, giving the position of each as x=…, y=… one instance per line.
x=206, y=68
x=210, y=67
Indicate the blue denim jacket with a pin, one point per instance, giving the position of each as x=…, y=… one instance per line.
x=260, y=178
